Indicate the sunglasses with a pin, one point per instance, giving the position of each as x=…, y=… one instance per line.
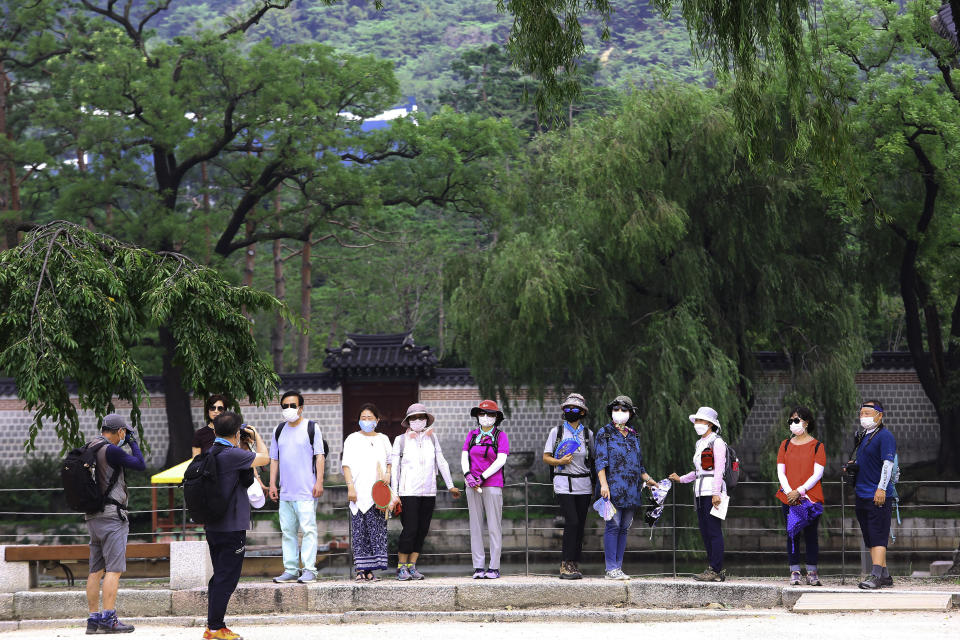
x=487, y=413
x=618, y=407
x=572, y=410
x=794, y=421
x=218, y=408
x=290, y=405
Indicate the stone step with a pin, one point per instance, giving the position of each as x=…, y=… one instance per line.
x=872, y=600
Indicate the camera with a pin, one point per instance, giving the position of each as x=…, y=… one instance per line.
x=850, y=470
x=246, y=433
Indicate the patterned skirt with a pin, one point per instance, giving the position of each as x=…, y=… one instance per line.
x=369, y=540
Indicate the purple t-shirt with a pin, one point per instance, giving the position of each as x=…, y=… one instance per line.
x=482, y=455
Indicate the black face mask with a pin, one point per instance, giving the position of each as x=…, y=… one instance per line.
x=570, y=416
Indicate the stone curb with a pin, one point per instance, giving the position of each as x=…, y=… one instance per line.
x=369, y=617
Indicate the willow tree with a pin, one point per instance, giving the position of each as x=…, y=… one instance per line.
x=79, y=302
x=646, y=254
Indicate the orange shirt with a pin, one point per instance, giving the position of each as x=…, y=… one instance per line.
x=799, y=460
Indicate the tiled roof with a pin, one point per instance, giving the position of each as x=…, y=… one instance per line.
x=776, y=361
x=385, y=354
x=449, y=377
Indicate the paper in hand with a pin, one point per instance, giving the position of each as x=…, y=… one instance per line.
x=721, y=510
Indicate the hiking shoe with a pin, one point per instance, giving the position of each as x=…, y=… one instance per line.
x=794, y=578
x=478, y=574
x=565, y=571
x=813, y=579
x=286, y=576
x=886, y=582
x=492, y=574
x=93, y=624
x=709, y=575
x=112, y=624
x=872, y=582
x=221, y=634
x=577, y=575
x=403, y=574
x=416, y=575
x=307, y=576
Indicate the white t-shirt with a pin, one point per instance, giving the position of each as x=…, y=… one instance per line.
x=363, y=454
x=566, y=484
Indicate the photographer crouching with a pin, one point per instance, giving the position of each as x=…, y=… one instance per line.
x=870, y=470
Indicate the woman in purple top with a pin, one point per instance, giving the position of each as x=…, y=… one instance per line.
x=484, y=454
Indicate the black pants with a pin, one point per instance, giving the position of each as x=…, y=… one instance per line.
x=227, y=549
x=711, y=532
x=415, y=517
x=573, y=508
x=811, y=543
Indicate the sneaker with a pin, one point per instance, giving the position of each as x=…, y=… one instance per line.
x=709, y=575
x=416, y=575
x=112, y=624
x=813, y=579
x=886, y=582
x=794, y=578
x=286, y=576
x=565, y=571
x=221, y=634
x=872, y=582
x=403, y=574
x=93, y=624
x=492, y=574
x=575, y=568
x=613, y=574
x=307, y=576
x=478, y=574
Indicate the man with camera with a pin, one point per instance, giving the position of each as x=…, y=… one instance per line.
x=109, y=528
x=871, y=472
x=296, y=479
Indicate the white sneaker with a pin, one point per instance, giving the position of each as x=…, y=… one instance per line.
x=616, y=574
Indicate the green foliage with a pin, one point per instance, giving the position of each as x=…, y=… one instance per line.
x=78, y=301
x=645, y=254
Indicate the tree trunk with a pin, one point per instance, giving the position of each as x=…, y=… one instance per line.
x=442, y=317
x=249, y=262
x=11, y=195
x=179, y=415
x=306, y=283
x=949, y=454
x=278, y=335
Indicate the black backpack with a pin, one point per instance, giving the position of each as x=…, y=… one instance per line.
x=201, y=488
x=78, y=473
x=731, y=469
x=311, y=432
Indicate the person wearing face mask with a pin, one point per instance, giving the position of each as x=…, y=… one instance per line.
x=709, y=461
x=366, y=460
x=416, y=460
x=621, y=475
x=572, y=482
x=296, y=465
x=800, y=462
x=875, y=453
x=484, y=454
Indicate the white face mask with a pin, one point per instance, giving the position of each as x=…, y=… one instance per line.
x=799, y=428
x=701, y=428
x=291, y=415
x=487, y=421
x=867, y=423
x=418, y=425
x=620, y=417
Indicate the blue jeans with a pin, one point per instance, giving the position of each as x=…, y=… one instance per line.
x=299, y=515
x=615, y=538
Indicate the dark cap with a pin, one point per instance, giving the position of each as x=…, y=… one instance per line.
x=114, y=422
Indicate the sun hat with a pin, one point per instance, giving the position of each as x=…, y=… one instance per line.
x=574, y=400
x=708, y=414
x=622, y=400
x=487, y=405
x=416, y=409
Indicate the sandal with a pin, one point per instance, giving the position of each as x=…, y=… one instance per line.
x=359, y=577
x=370, y=576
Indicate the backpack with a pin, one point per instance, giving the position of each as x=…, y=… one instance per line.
x=311, y=432
x=731, y=467
x=495, y=436
x=588, y=462
x=78, y=473
x=201, y=488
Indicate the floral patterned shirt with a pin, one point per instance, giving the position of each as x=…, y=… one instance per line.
x=623, y=461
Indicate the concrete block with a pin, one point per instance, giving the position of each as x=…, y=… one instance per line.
x=405, y=597
x=247, y=599
x=189, y=602
x=940, y=567
x=696, y=594
x=6, y=606
x=496, y=594
x=14, y=576
x=144, y=602
x=335, y=598
x=45, y=605
x=190, y=564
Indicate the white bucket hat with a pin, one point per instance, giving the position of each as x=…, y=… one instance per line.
x=708, y=414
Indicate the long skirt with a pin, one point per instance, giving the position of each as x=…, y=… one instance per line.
x=369, y=540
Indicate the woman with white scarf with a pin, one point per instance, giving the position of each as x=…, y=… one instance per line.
x=709, y=461
x=416, y=460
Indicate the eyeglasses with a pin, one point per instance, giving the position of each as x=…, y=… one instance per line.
x=795, y=421
x=290, y=405
x=217, y=408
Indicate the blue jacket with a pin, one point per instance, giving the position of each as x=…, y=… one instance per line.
x=623, y=461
